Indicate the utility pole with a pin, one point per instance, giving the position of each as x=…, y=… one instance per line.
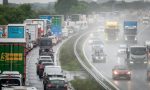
x=5, y=2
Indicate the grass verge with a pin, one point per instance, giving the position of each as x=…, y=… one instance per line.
x=69, y=62
x=86, y=84
x=67, y=58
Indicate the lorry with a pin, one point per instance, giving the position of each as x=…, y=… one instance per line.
x=43, y=25
x=137, y=54
x=56, y=27
x=13, y=56
x=130, y=31
x=46, y=45
x=32, y=29
x=111, y=30
x=98, y=54
x=65, y=32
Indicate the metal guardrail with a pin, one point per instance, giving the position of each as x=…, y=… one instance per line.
x=101, y=79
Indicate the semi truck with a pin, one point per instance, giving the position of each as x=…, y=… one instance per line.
x=130, y=31
x=137, y=55
x=13, y=56
x=32, y=29
x=43, y=25
x=46, y=45
x=56, y=27
x=111, y=30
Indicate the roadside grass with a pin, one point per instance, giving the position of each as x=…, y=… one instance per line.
x=86, y=84
x=69, y=62
x=67, y=57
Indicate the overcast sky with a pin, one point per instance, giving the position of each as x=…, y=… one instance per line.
x=45, y=1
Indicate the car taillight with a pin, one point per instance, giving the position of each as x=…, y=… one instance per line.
x=49, y=85
x=115, y=72
x=41, y=66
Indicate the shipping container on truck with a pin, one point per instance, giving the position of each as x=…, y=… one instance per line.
x=43, y=25
x=33, y=31
x=130, y=31
x=13, y=53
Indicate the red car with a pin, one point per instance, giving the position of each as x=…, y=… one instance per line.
x=121, y=71
x=40, y=66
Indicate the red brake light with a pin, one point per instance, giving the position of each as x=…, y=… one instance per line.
x=41, y=66
x=49, y=85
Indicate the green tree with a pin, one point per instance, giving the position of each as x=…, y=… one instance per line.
x=80, y=8
x=64, y=6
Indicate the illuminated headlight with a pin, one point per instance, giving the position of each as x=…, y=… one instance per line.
x=119, y=51
x=145, y=62
x=90, y=41
x=106, y=39
x=115, y=72
x=43, y=50
x=91, y=35
x=96, y=57
x=102, y=46
x=135, y=39
x=102, y=57
x=126, y=38
x=128, y=72
x=131, y=62
x=117, y=39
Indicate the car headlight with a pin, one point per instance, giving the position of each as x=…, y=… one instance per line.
x=91, y=35
x=90, y=41
x=102, y=57
x=96, y=57
x=129, y=72
x=102, y=46
x=119, y=51
x=126, y=38
x=135, y=38
x=131, y=62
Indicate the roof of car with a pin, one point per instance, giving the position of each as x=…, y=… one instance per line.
x=56, y=78
x=121, y=67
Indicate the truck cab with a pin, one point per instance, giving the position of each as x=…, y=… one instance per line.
x=130, y=31
x=137, y=54
x=11, y=78
x=111, y=30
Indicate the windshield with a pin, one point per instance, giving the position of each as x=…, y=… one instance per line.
x=46, y=64
x=45, y=57
x=121, y=67
x=57, y=82
x=46, y=42
x=44, y=61
x=138, y=50
x=97, y=42
x=10, y=82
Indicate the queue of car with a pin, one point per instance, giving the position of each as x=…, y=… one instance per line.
x=97, y=46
